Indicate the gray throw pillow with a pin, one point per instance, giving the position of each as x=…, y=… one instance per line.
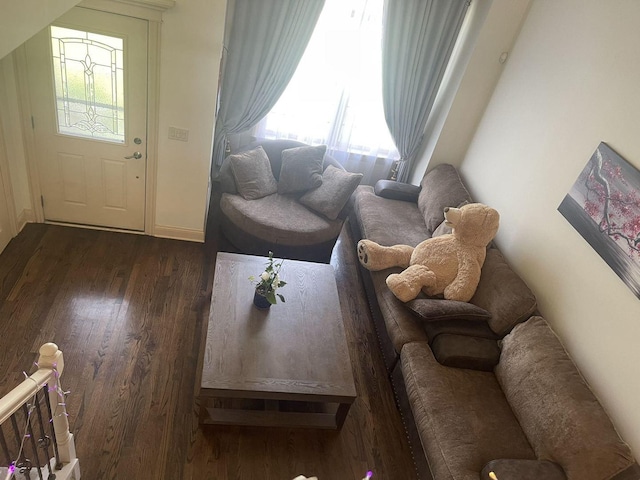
x=330, y=197
x=301, y=169
x=252, y=173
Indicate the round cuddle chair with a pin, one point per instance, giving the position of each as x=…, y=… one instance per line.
x=286, y=197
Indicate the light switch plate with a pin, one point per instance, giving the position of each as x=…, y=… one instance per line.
x=181, y=134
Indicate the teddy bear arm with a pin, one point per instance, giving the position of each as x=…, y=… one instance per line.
x=466, y=281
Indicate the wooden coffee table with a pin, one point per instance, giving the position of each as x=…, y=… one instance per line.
x=286, y=366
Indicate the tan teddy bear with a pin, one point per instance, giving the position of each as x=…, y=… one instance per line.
x=449, y=264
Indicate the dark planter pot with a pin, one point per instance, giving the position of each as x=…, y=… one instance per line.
x=260, y=301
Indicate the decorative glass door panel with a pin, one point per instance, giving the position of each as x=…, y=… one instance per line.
x=89, y=84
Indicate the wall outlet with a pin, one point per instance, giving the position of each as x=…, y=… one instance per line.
x=181, y=134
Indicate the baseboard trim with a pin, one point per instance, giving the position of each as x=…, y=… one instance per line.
x=177, y=233
x=160, y=231
x=25, y=216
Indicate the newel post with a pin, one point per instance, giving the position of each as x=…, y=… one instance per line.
x=51, y=357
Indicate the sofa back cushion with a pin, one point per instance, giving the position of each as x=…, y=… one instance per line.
x=225, y=176
x=441, y=187
x=503, y=294
x=557, y=411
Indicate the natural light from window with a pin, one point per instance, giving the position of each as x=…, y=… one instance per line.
x=335, y=96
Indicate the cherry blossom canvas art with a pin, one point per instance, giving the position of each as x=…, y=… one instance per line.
x=603, y=205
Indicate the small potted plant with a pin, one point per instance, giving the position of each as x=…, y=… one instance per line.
x=268, y=282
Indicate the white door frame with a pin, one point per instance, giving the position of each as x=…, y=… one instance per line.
x=5, y=183
x=145, y=11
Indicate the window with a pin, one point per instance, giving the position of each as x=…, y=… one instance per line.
x=335, y=96
x=88, y=79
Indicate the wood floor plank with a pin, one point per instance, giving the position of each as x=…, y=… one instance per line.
x=130, y=313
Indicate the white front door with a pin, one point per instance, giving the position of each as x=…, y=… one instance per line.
x=88, y=91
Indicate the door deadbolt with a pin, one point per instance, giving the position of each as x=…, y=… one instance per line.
x=137, y=141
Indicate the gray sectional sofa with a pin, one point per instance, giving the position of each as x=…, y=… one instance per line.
x=485, y=385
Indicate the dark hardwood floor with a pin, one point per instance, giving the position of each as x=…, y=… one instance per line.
x=130, y=314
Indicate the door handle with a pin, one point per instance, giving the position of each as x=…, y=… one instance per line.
x=136, y=155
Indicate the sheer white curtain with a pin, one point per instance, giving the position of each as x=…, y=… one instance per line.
x=335, y=96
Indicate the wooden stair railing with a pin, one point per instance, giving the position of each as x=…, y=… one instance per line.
x=33, y=418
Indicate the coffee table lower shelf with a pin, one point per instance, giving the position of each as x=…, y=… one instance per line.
x=273, y=413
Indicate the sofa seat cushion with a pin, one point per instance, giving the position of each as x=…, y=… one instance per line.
x=401, y=323
x=561, y=417
x=279, y=219
x=463, y=418
x=388, y=222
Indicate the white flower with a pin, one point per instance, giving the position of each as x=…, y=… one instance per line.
x=277, y=280
x=264, y=276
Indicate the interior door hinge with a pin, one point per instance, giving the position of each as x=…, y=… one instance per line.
x=33, y=123
x=42, y=201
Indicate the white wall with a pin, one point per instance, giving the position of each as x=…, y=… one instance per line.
x=571, y=81
x=12, y=128
x=492, y=30
x=192, y=34
x=21, y=19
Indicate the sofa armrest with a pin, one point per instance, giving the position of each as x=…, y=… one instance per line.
x=461, y=351
x=435, y=309
x=397, y=191
x=508, y=469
